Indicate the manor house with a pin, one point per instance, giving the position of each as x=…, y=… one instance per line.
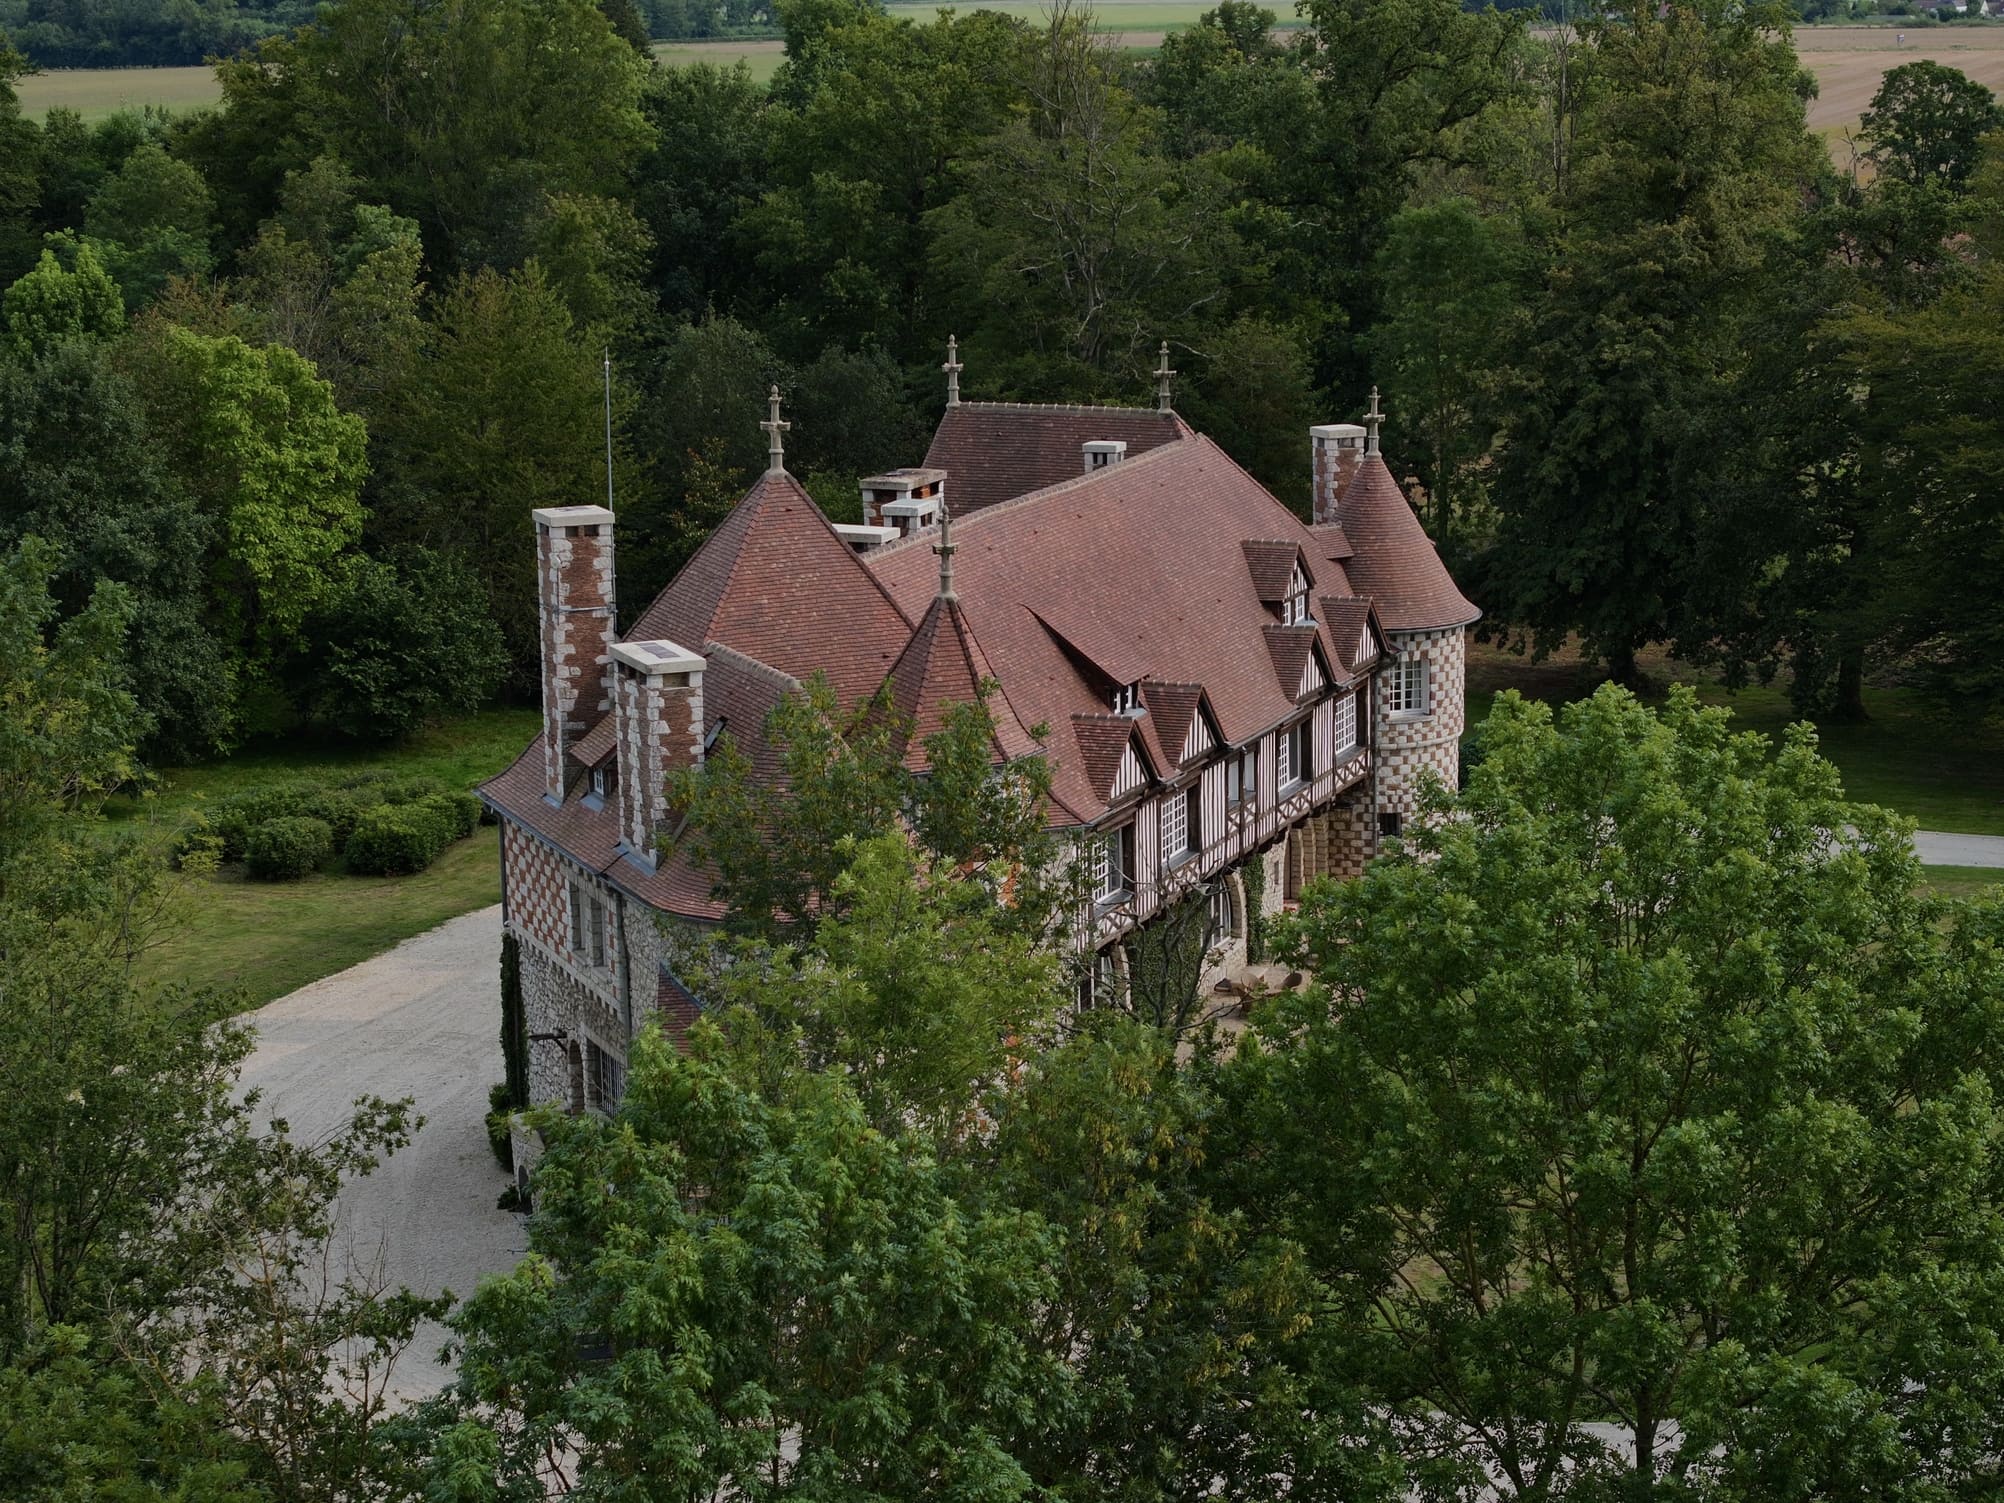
x=1221, y=683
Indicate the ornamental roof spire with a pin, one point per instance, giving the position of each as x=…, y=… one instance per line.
x=776, y=449
x=1163, y=375
x=952, y=368
x=945, y=549
x=1372, y=418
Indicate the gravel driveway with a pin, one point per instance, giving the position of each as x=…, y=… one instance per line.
x=423, y=1021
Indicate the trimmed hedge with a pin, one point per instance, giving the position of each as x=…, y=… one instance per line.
x=394, y=840
x=287, y=848
x=395, y=844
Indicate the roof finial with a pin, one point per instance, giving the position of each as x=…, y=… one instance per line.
x=1371, y=420
x=952, y=369
x=776, y=449
x=945, y=549
x=1163, y=402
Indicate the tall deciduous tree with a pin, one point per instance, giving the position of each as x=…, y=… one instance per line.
x=253, y=435
x=504, y=413
x=477, y=112
x=1926, y=121
x=1673, y=1103
x=1689, y=172
x=54, y=303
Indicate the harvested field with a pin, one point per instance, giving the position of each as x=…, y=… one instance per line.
x=1849, y=61
x=97, y=92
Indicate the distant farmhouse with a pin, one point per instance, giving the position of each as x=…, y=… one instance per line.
x=1222, y=684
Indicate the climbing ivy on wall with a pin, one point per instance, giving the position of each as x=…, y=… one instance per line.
x=514, y=1026
x=1253, y=874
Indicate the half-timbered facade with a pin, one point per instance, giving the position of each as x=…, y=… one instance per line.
x=1218, y=683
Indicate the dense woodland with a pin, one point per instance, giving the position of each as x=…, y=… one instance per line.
x=297, y=368
x=1659, y=1096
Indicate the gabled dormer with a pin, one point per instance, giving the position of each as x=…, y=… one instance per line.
x=1281, y=579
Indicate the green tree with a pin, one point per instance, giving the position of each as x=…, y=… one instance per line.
x=1076, y=244
x=1250, y=391
x=53, y=303
x=504, y=413
x=20, y=164
x=707, y=165
x=1673, y=1104
x=881, y=113
x=1447, y=284
x=778, y=851
x=1686, y=185
x=339, y=282
x=1925, y=123
x=81, y=468
x=1935, y=465
x=744, y=1290
x=395, y=644
x=153, y=220
x=253, y=435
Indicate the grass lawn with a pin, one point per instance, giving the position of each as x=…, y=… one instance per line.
x=264, y=939
x=1945, y=776
x=1963, y=881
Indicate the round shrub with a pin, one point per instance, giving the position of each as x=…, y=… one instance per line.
x=461, y=812
x=233, y=818
x=287, y=848
x=394, y=840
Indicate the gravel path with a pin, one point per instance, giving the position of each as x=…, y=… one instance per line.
x=419, y=1021
x=1938, y=849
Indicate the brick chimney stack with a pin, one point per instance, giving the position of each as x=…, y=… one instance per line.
x=658, y=704
x=575, y=608
x=1338, y=450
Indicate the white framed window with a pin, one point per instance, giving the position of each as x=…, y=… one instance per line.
x=1242, y=779
x=1108, y=860
x=1126, y=699
x=1179, y=826
x=1223, y=916
x=589, y=925
x=1407, y=692
x=1344, y=721
x=601, y=779
x=604, y=1076
x=1100, y=986
x=1294, y=610
x=1296, y=748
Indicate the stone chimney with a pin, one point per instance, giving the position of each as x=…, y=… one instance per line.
x=575, y=603
x=1100, y=453
x=1338, y=452
x=657, y=703
x=911, y=500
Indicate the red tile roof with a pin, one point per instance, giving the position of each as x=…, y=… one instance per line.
x=1344, y=622
x=1289, y=647
x=737, y=690
x=993, y=451
x=595, y=745
x=774, y=581
x=944, y=665
x=1103, y=740
x=1171, y=708
x=1141, y=567
x=1272, y=565
x=1395, y=563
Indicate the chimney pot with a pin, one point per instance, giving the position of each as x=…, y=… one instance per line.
x=1099, y=453
x=1337, y=451
x=575, y=607
x=658, y=702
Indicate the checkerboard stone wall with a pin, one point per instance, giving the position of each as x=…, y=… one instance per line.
x=1409, y=746
x=538, y=889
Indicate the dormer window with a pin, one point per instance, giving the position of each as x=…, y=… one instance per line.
x=602, y=779
x=1126, y=699
x=1294, y=607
